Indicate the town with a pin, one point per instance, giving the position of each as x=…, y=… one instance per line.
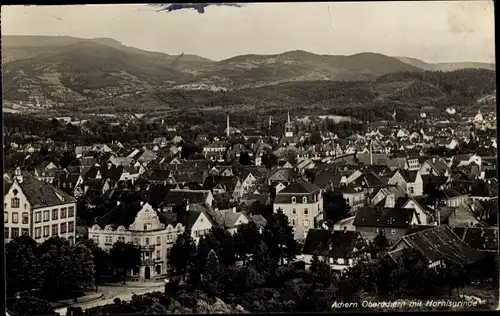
x=230, y=158
x=240, y=213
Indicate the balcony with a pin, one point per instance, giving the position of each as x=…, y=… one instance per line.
x=148, y=248
x=151, y=261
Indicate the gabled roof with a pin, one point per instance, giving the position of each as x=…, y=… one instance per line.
x=41, y=194
x=333, y=244
x=441, y=243
x=179, y=197
x=383, y=217
x=300, y=187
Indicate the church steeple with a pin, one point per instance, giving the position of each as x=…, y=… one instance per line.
x=289, y=127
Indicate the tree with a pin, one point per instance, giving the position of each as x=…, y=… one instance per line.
x=100, y=258
x=247, y=239
x=291, y=157
x=315, y=138
x=183, y=252
x=262, y=260
x=22, y=268
x=269, y=160
x=380, y=241
x=279, y=237
x=25, y=306
x=81, y=272
x=125, y=257
x=212, y=274
x=245, y=159
x=335, y=206
x=67, y=269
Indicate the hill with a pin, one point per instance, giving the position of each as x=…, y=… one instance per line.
x=261, y=70
x=444, y=66
x=102, y=74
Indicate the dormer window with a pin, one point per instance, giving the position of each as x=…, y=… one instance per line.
x=304, y=199
x=294, y=199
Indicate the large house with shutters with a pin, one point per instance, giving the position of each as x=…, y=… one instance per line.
x=302, y=203
x=37, y=209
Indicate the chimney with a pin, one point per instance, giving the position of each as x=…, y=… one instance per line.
x=438, y=217
x=434, y=160
x=345, y=229
x=118, y=203
x=109, y=165
x=187, y=205
x=142, y=203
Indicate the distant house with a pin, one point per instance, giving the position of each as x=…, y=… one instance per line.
x=436, y=167
x=355, y=197
x=409, y=181
x=438, y=245
x=340, y=249
x=395, y=222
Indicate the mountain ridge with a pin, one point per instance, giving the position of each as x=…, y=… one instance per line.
x=59, y=69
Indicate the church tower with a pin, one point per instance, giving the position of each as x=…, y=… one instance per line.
x=289, y=127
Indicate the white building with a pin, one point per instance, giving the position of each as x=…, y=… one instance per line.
x=153, y=231
x=37, y=209
x=302, y=203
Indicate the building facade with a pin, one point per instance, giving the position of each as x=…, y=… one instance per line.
x=37, y=209
x=302, y=203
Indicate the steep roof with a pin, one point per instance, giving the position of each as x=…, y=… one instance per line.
x=441, y=243
x=300, y=187
x=41, y=194
x=383, y=217
x=179, y=196
x=336, y=244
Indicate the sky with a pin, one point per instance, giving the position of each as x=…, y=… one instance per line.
x=433, y=31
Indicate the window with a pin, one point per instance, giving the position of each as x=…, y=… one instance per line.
x=158, y=240
x=306, y=223
x=6, y=232
x=293, y=221
x=38, y=217
x=14, y=202
x=306, y=211
x=71, y=211
x=54, y=230
x=46, y=231
x=55, y=215
x=393, y=231
x=15, y=233
x=25, y=231
x=121, y=238
x=95, y=238
x=63, y=212
x=25, y=218
x=294, y=212
x=63, y=228
x=147, y=241
x=5, y=217
x=411, y=190
x=294, y=200
x=25, y=206
x=157, y=254
x=38, y=232
x=304, y=199
x=136, y=241
x=71, y=227
x=109, y=240
x=46, y=216
x=15, y=218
